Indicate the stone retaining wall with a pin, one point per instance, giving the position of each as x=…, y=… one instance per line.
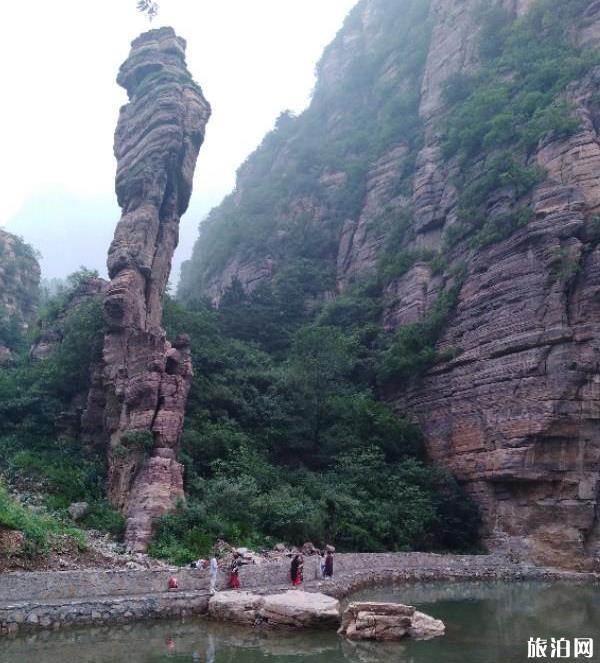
x=107, y=610
x=55, y=599
x=53, y=585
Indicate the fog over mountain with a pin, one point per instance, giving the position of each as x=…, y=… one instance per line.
x=58, y=182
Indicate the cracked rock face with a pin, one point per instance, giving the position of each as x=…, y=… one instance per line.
x=138, y=395
x=371, y=620
x=515, y=415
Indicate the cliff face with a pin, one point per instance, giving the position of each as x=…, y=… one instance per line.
x=138, y=395
x=19, y=290
x=371, y=171
x=515, y=414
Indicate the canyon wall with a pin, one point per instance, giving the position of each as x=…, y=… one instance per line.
x=138, y=394
x=515, y=413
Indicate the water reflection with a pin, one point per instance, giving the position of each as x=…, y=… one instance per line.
x=486, y=622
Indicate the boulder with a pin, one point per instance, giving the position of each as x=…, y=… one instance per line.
x=295, y=609
x=301, y=610
x=425, y=627
x=235, y=606
x=387, y=621
x=78, y=510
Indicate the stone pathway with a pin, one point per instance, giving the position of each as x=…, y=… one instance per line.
x=56, y=599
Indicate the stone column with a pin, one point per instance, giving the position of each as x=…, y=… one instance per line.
x=138, y=395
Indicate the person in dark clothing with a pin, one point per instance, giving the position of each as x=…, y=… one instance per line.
x=328, y=570
x=297, y=570
x=234, y=577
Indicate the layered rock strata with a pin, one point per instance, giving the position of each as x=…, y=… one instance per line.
x=370, y=620
x=515, y=415
x=137, y=400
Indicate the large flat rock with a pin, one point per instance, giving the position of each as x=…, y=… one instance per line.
x=235, y=606
x=296, y=609
x=301, y=609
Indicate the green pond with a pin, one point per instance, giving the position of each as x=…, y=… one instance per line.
x=485, y=622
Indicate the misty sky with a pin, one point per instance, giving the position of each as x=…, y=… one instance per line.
x=253, y=59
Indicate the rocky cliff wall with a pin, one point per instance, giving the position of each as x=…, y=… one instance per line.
x=19, y=290
x=515, y=413
x=138, y=395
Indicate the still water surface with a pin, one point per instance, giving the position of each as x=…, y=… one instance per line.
x=486, y=622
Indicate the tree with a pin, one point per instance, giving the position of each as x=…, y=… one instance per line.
x=148, y=7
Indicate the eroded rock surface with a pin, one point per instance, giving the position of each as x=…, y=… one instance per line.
x=138, y=395
x=294, y=609
x=371, y=620
x=515, y=415
x=299, y=609
x=235, y=606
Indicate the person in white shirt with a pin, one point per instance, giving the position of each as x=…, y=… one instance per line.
x=214, y=568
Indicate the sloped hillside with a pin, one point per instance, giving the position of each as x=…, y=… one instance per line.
x=446, y=175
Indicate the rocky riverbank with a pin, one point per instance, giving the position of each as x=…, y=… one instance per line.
x=56, y=599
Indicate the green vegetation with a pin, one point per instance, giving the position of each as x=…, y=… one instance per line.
x=16, y=262
x=499, y=114
x=513, y=99
x=39, y=529
x=412, y=348
x=284, y=432
x=285, y=438
x=35, y=453
x=308, y=177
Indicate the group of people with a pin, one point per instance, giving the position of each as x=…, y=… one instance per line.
x=324, y=569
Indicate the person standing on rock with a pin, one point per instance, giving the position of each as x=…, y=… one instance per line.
x=328, y=570
x=320, y=570
x=234, y=576
x=214, y=569
x=296, y=570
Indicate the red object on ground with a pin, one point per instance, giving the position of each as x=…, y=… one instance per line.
x=234, y=581
x=173, y=583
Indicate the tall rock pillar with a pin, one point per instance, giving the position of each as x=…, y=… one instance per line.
x=139, y=393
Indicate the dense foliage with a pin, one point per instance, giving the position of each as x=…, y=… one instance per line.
x=35, y=453
x=285, y=438
x=501, y=112
x=284, y=432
